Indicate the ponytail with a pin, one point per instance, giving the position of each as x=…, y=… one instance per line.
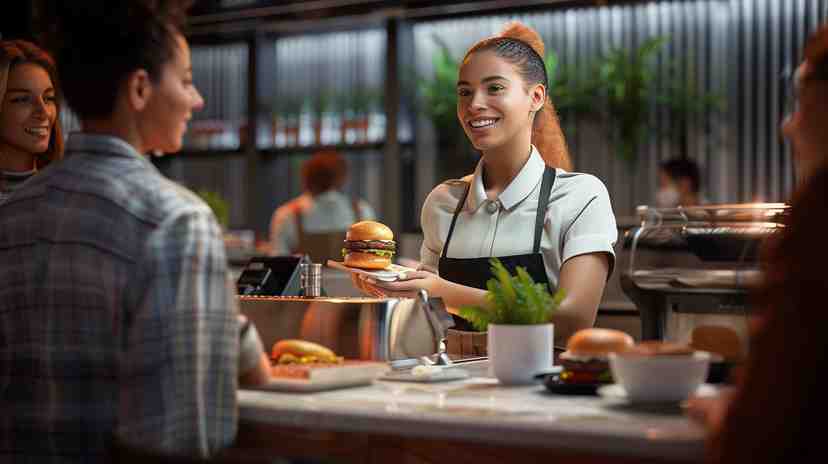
x=523, y=47
x=549, y=139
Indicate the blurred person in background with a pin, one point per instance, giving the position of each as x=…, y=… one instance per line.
x=770, y=416
x=118, y=325
x=522, y=204
x=679, y=184
x=30, y=134
x=316, y=221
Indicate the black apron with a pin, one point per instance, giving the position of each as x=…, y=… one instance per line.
x=474, y=272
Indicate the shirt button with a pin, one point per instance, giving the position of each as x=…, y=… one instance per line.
x=492, y=207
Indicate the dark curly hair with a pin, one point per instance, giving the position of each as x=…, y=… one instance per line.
x=98, y=43
x=325, y=170
x=17, y=52
x=682, y=168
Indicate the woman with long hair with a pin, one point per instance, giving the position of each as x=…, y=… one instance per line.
x=522, y=204
x=30, y=135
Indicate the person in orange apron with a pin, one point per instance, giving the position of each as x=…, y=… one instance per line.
x=522, y=204
x=315, y=222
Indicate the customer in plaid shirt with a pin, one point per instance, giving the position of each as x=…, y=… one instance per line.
x=117, y=323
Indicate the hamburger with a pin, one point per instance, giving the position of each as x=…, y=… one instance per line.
x=720, y=340
x=586, y=360
x=659, y=348
x=293, y=351
x=369, y=245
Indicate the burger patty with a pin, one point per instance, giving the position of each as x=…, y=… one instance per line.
x=587, y=365
x=388, y=245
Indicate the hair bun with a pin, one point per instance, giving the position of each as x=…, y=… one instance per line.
x=518, y=30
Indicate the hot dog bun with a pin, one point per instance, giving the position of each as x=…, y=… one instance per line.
x=301, y=352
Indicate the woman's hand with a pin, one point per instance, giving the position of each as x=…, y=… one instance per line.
x=406, y=287
x=710, y=412
x=360, y=282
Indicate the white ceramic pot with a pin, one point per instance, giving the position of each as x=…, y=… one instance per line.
x=518, y=352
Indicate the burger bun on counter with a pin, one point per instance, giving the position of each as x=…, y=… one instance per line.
x=586, y=361
x=292, y=351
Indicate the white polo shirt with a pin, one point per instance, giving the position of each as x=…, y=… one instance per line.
x=579, y=218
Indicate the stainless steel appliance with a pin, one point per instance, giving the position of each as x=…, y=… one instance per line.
x=399, y=330
x=694, y=266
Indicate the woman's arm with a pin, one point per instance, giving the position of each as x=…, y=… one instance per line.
x=583, y=278
x=454, y=295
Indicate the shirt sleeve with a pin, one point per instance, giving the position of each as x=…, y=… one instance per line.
x=592, y=228
x=432, y=243
x=283, y=234
x=366, y=211
x=182, y=343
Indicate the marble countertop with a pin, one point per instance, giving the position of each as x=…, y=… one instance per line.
x=480, y=410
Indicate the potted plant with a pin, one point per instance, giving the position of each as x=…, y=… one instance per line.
x=218, y=204
x=439, y=95
x=627, y=90
x=516, y=315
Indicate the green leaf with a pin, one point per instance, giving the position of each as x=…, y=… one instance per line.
x=477, y=316
x=513, y=300
x=218, y=204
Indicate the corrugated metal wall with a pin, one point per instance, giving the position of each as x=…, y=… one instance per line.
x=220, y=74
x=767, y=37
x=735, y=48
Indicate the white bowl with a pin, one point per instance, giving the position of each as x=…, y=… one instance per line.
x=662, y=378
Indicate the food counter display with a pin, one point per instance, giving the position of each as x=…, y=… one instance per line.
x=693, y=268
x=471, y=420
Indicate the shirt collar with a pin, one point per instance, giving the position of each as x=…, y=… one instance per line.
x=521, y=186
x=100, y=145
x=18, y=175
x=329, y=195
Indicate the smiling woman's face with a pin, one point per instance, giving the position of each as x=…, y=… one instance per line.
x=28, y=112
x=493, y=105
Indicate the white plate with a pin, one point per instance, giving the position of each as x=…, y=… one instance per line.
x=616, y=391
x=389, y=274
x=304, y=386
x=442, y=376
x=329, y=378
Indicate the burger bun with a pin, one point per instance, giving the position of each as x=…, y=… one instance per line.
x=369, y=230
x=597, y=343
x=366, y=260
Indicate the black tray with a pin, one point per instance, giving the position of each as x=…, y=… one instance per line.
x=554, y=384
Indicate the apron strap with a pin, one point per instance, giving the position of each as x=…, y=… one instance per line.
x=543, y=203
x=300, y=227
x=454, y=218
x=355, y=206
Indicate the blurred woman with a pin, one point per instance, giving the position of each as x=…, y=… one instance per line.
x=315, y=222
x=521, y=204
x=772, y=414
x=30, y=136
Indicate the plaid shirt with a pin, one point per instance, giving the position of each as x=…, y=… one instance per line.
x=116, y=319
x=11, y=181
